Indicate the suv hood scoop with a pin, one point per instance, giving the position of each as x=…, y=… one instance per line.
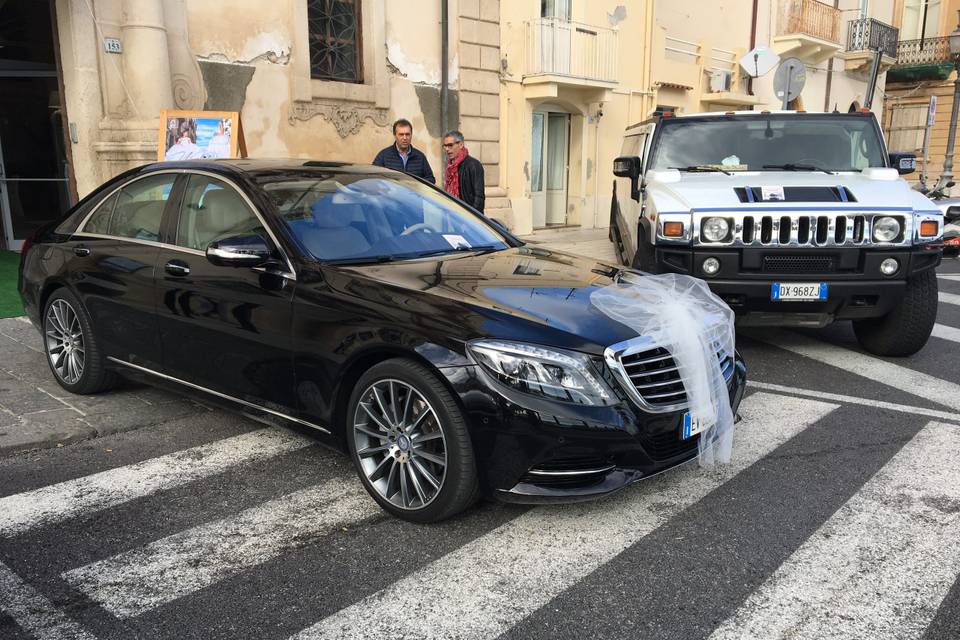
x=838, y=193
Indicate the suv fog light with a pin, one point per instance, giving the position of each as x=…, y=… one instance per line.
x=889, y=266
x=711, y=266
x=886, y=229
x=715, y=229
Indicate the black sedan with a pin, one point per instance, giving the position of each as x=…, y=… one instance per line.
x=444, y=355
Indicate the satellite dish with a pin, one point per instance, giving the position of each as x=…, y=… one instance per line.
x=759, y=62
x=789, y=80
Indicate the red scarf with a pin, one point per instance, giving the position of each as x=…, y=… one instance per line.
x=451, y=181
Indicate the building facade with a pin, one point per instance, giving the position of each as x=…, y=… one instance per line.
x=542, y=89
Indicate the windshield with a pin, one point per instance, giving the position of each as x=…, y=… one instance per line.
x=357, y=217
x=831, y=142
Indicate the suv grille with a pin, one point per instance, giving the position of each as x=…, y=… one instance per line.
x=654, y=375
x=799, y=264
x=791, y=229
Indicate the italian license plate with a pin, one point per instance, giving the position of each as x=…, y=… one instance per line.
x=798, y=291
x=692, y=426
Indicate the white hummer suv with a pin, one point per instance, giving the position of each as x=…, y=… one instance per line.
x=793, y=218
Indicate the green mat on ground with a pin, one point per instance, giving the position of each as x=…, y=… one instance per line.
x=9, y=298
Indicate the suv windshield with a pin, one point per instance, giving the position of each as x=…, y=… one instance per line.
x=801, y=142
x=346, y=217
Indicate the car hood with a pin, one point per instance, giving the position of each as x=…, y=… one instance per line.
x=525, y=293
x=870, y=189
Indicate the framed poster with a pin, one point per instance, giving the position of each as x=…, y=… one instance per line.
x=189, y=135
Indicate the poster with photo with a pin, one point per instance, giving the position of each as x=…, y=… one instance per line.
x=192, y=135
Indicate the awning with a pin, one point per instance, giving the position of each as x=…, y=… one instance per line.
x=673, y=85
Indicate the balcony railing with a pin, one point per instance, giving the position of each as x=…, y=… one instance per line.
x=563, y=48
x=868, y=34
x=923, y=51
x=809, y=17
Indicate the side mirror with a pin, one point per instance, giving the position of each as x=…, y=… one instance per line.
x=629, y=167
x=239, y=251
x=904, y=162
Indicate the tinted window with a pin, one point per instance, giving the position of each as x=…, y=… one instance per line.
x=138, y=208
x=213, y=210
x=348, y=216
x=99, y=222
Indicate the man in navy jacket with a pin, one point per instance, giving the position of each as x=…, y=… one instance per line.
x=402, y=156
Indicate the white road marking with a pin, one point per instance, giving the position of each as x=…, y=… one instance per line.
x=949, y=298
x=913, y=382
x=944, y=332
x=139, y=580
x=33, y=613
x=881, y=566
x=65, y=500
x=949, y=276
x=488, y=585
x=950, y=416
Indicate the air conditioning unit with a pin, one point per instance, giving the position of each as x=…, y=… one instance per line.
x=720, y=81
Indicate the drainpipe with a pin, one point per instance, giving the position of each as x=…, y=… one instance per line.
x=444, y=76
x=826, y=92
x=753, y=41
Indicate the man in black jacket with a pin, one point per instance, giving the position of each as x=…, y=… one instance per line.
x=403, y=156
x=463, y=176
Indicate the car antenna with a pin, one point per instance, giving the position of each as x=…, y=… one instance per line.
x=835, y=110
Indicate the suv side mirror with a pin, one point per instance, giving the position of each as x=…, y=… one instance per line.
x=629, y=167
x=904, y=162
x=239, y=251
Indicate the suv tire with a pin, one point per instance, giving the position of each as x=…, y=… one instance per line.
x=400, y=474
x=904, y=330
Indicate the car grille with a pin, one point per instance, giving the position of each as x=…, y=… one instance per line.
x=799, y=264
x=798, y=230
x=656, y=378
x=669, y=444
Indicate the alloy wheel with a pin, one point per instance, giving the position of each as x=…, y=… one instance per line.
x=400, y=444
x=64, y=339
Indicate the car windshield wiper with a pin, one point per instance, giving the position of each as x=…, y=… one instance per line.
x=479, y=248
x=797, y=167
x=703, y=167
x=362, y=260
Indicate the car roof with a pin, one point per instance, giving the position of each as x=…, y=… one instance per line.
x=257, y=165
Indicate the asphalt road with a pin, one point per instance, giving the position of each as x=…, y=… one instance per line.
x=839, y=517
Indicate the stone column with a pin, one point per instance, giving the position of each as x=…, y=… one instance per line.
x=479, y=49
x=146, y=62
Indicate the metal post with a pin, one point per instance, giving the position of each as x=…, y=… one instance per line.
x=874, y=72
x=947, y=174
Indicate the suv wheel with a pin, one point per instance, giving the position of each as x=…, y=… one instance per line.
x=72, y=351
x=409, y=442
x=904, y=330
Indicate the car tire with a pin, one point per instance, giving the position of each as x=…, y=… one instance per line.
x=393, y=406
x=904, y=330
x=72, y=350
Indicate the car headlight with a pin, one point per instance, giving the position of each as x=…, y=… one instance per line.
x=715, y=229
x=886, y=229
x=553, y=373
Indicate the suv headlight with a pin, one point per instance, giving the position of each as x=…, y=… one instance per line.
x=886, y=229
x=552, y=373
x=715, y=229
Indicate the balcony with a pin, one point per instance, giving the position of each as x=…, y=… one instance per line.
x=864, y=37
x=807, y=29
x=923, y=59
x=570, y=53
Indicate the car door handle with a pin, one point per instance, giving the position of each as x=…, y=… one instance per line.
x=177, y=268
x=81, y=251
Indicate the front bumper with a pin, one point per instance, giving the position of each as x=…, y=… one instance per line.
x=537, y=451
x=857, y=289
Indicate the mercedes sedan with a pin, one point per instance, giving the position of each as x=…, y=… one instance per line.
x=447, y=358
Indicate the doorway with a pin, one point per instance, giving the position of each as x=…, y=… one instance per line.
x=34, y=177
x=549, y=168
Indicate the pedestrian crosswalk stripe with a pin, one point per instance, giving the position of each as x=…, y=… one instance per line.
x=946, y=333
x=141, y=579
x=949, y=276
x=492, y=582
x=949, y=298
x=33, y=613
x=907, y=380
x=881, y=566
x=58, y=502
